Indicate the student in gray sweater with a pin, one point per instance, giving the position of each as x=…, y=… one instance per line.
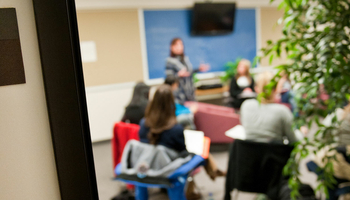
x=267, y=121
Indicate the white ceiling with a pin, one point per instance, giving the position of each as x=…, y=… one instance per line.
x=113, y=4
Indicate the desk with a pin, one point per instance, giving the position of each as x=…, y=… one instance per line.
x=214, y=91
x=212, y=94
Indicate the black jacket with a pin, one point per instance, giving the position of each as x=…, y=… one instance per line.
x=134, y=113
x=235, y=90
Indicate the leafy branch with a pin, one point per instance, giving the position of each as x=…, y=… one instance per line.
x=316, y=42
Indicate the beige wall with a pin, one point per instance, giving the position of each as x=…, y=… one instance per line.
x=270, y=30
x=117, y=37
x=27, y=166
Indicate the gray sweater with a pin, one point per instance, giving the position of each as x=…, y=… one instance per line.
x=186, y=85
x=267, y=122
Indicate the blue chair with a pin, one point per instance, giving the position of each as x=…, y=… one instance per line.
x=335, y=191
x=177, y=181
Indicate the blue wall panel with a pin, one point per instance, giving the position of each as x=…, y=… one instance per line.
x=162, y=26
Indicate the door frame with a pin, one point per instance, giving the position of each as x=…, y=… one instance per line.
x=58, y=39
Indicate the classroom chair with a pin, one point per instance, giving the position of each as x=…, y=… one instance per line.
x=174, y=183
x=122, y=133
x=256, y=167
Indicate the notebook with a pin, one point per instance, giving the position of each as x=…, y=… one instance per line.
x=237, y=132
x=197, y=143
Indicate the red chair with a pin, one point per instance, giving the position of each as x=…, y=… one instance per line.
x=122, y=133
x=214, y=121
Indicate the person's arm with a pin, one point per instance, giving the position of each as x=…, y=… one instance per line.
x=143, y=132
x=293, y=136
x=279, y=86
x=179, y=139
x=196, y=71
x=201, y=68
x=234, y=89
x=170, y=69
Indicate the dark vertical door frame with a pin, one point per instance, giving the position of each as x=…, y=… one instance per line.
x=58, y=38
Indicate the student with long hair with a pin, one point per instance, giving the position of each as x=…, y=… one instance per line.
x=135, y=111
x=241, y=84
x=159, y=127
x=178, y=64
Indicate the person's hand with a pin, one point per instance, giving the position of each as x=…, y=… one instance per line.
x=183, y=73
x=247, y=90
x=204, y=67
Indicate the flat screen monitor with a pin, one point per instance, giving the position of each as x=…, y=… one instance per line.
x=213, y=18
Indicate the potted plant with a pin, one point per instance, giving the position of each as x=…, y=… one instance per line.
x=230, y=70
x=316, y=41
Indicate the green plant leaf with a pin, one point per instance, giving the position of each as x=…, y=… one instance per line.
x=316, y=41
x=270, y=59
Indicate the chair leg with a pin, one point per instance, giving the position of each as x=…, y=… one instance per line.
x=177, y=192
x=141, y=193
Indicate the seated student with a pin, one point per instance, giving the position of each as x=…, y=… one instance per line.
x=242, y=85
x=135, y=111
x=342, y=143
x=184, y=115
x=267, y=121
x=159, y=127
x=284, y=89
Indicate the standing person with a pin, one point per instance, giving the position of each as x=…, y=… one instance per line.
x=135, y=111
x=242, y=85
x=179, y=65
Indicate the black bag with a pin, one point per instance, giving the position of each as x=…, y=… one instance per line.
x=124, y=195
x=306, y=192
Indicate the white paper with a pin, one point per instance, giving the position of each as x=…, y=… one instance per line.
x=88, y=51
x=194, y=141
x=237, y=132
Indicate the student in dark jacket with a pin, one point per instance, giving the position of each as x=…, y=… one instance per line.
x=242, y=85
x=159, y=127
x=135, y=111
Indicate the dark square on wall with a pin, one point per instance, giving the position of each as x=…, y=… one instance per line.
x=11, y=61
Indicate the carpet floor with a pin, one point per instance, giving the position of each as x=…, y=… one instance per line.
x=108, y=187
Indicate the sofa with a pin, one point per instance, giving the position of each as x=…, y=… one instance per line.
x=214, y=121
